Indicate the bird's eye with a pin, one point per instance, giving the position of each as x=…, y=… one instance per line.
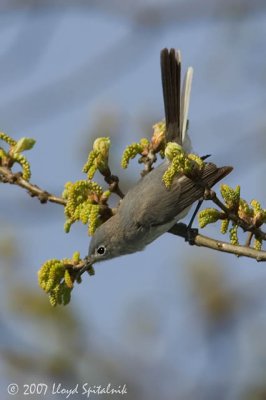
x=101, y=250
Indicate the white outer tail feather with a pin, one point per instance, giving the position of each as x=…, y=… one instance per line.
x=185, y=99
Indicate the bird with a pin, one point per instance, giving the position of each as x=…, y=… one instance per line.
x=150, y=209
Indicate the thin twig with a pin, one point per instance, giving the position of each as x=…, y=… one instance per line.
x=211, y=195
x=75, y=269
x=7, y=176
x=249, y=239
x=148, y=161
x=113, y=182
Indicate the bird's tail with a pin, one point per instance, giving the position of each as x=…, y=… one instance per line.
x=176, y=99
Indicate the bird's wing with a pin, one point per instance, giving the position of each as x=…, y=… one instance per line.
x=151, y=203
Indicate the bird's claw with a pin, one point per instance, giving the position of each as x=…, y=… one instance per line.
x=191, y=234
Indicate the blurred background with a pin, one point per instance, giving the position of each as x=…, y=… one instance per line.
x=172, y=322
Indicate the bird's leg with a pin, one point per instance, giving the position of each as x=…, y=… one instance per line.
x=186, y=231
x=194, y=214
x=192, y=232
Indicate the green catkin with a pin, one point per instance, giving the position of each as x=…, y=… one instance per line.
x=233, y=234
x=129, y=153
x=231, y=196
x=7, y=139
x=224, y=226
x=20, y=159
x=208, y=216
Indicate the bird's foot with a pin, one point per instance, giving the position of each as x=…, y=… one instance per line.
x=191, y=234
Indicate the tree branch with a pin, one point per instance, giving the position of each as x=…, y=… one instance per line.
x=194, y=238
x=238, y=250
x=211, y=195
x=7, y=176
x=113, y=182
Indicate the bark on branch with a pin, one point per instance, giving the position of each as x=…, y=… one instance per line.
x=194, y=238
x=7, y=176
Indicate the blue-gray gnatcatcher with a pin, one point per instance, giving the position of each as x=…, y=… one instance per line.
x=149, y=209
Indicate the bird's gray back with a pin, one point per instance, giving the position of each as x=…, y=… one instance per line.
x=150, y=203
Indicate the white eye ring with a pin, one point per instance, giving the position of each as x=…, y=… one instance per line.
x=101, y=250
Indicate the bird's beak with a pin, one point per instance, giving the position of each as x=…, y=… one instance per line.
x=88, y=261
